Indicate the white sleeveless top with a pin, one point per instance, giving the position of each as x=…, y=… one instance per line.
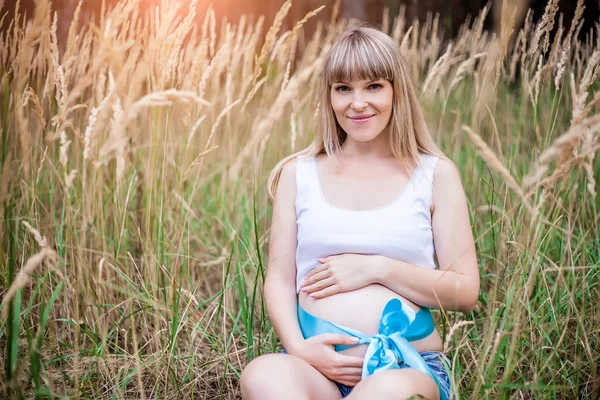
x=399, y=230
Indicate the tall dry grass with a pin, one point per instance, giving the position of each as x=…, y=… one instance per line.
x=135, y=214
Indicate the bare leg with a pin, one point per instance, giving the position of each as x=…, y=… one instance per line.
x=396, y=384
x=283, y=376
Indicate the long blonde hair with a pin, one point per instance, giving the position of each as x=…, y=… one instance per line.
x=366, y=53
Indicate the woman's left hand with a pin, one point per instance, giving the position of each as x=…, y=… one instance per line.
x=340, y=273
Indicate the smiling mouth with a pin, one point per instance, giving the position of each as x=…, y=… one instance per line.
x=362, y=118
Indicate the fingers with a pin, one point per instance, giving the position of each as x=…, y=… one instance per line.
x=318, y=276
x=319, y=285
x=350, y=371
x=334, y=338
x=351, y=361
x=315, y=271
x=328, y=291
x=349, y=376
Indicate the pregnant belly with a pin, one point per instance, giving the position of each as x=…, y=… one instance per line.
x=361, y=310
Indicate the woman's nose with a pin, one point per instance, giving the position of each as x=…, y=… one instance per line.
x=358, y=101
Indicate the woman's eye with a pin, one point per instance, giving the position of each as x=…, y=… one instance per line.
x=373, y=86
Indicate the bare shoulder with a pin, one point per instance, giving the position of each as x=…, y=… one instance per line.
x=286, y=187
x=447, y=183
x=288, y=172
x=446, y=169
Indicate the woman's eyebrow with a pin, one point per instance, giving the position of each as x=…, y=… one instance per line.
x=366, y=83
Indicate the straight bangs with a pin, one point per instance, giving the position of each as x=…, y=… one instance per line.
x=358, y=57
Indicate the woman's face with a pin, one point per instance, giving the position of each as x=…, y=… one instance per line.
x=362, y=108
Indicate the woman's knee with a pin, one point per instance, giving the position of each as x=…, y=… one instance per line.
x=269, y=376
x=259, y=374
x=281, y=376
x=397, y=384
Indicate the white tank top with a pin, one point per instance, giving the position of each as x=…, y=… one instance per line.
x=399, y=230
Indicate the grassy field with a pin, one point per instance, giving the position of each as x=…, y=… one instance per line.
x=135, y=216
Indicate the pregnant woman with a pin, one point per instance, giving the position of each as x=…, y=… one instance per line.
x=358, y=218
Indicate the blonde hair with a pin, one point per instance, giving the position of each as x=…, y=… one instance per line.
x=366, y=53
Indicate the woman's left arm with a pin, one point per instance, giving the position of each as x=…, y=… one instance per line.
x=455, y=286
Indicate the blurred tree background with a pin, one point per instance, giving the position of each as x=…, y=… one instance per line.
x=452, y=13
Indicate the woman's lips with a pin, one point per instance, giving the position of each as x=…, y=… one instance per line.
x=361, y=120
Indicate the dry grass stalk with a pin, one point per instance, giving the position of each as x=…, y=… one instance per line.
x=24, y=275
x=524, y=39
x=23, y=278
x=165, y=98
x=117, y=142
x=540, y=29
x=5, y=179
x=506, y=30
x=437, y=67
x=588, y=108
x=213, y=34
x=39, y=171
x=515, y=58
x=208, y=70
x=59, y=73
x=254, y=90
x=89, y=130
x=218, y=121
x=64, y=147
x=293, y=36
x=453, y=329
x=554, y=50
x=71, y=45
x=294, y=130
x=22, y=52
x=335, y=12
x=405, y=39
x=262, y=129
x=193, y=131
x=534, y=88
x=37, y=106
x=183, y=29
x=567, y=43
x=479, y=29
x=276, y=52
x=493, y=162
x=286, y=76
x=540, y=202
x=549, y=16
x=464, y=69
x=564, y=142
x=589, y=140
x=197, y=160
x=270, y=39
x=399, y=23
x=590, y=74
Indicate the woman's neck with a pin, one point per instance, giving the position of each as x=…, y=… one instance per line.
x=379, y=147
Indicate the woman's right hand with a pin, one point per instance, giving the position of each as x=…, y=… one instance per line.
x=319, y=352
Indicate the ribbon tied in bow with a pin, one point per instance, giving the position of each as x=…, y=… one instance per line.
x=399, y=325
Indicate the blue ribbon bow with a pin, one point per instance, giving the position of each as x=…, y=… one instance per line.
x=399, y=325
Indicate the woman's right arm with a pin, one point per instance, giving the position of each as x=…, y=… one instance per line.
x=280, y=283
x=280, y=293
